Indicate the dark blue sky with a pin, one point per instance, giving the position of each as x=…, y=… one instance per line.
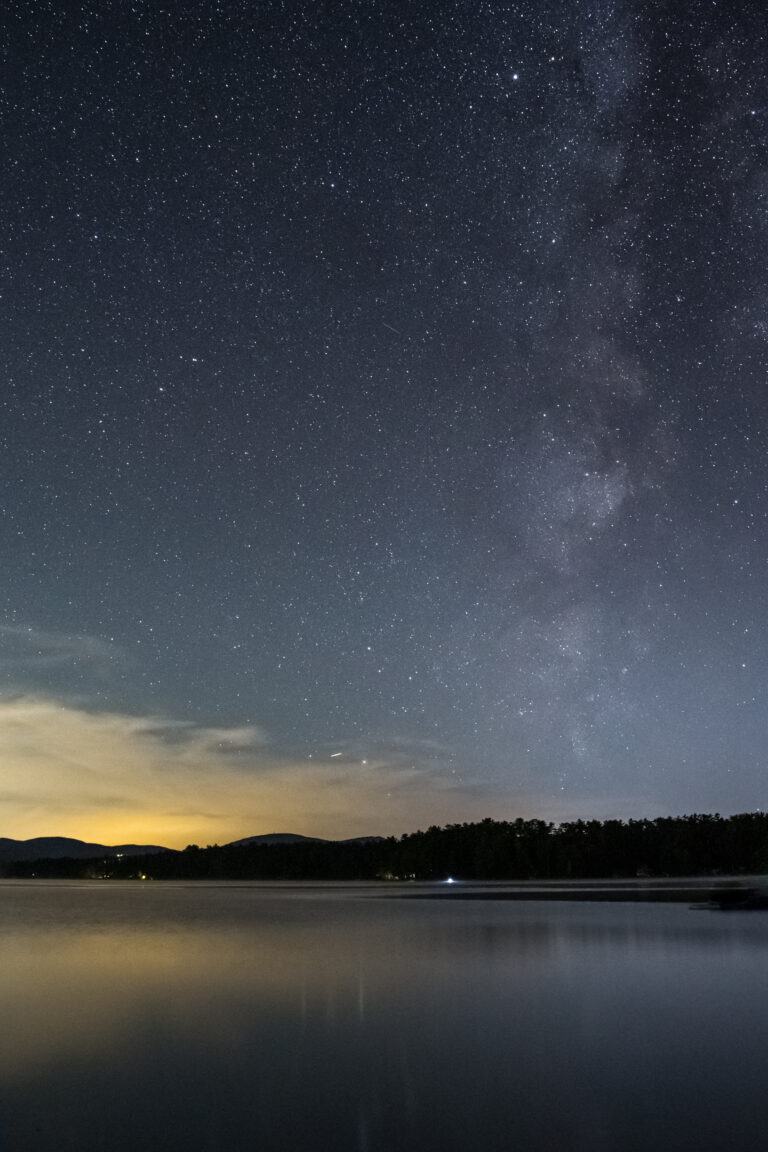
x=389, y=379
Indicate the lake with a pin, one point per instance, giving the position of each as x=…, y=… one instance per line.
x=168, y=1017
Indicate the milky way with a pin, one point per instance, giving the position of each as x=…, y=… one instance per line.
x=390, y=380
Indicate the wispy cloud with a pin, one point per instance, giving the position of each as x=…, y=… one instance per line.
x=79, y=667
x=115, y=777
x=27, y=647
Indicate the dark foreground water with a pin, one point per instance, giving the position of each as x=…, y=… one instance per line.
x=166, y=1018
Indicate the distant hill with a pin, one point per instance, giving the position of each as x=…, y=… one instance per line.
x=360, y=840
x=294, y=838
x=64, y=847
x=274, y=838
x=61, y=847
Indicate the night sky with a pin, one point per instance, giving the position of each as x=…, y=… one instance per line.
x=383, y=411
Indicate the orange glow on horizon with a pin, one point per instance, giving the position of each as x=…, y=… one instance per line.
x=112, y=778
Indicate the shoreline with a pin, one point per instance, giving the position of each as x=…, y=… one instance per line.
x=700, y=890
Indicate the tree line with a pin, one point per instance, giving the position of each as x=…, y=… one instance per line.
x=486, y=850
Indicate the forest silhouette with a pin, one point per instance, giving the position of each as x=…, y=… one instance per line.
x=694, y=845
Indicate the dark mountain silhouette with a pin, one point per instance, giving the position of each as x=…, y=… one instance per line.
x=275, y=838
x=294, y=838
x=67, y=848
x=63, y=847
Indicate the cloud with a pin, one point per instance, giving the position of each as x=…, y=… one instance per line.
x=61, y=664
x=25, y=647
x=115, y=778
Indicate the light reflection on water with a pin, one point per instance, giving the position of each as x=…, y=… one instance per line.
x=181, y=1017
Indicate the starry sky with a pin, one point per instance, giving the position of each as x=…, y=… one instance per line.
x=383, y=414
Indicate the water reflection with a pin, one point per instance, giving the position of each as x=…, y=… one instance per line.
x=168, y=1018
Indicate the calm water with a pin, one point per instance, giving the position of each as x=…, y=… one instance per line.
x=199, y=1018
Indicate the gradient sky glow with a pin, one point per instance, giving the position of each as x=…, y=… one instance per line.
x=386, y=380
